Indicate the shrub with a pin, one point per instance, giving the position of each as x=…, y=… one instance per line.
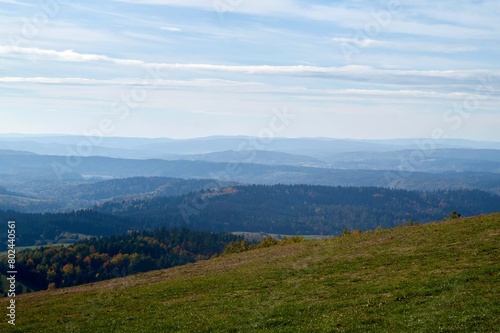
x=237, y=247
x=291, y=240
x=267, y=241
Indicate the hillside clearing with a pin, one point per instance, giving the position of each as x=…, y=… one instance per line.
x=439, y=277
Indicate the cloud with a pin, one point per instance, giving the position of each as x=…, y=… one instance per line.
x=405, y=46
x=15, y=2
x=67, y=55
x=349, y=72
x=456, y=20
x=254, y=6
x=206, y=83
x=172, y=29
x=222, y=86
x=367, y=42
x=219, y=113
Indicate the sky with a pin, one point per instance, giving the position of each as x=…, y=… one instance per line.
x=290, y=68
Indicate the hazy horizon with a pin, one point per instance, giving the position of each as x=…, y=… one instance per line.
x=35, y=135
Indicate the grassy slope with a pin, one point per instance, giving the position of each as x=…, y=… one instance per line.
x=439, y=277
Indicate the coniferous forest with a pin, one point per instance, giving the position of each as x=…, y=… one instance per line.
x=283, y=209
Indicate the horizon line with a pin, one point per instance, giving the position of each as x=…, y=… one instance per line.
x=223, y=136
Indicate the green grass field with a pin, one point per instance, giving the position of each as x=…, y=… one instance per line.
x=438, y=277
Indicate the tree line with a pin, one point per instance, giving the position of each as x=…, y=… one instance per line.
x=302, y=209
x=103, y=258
x=283, y=209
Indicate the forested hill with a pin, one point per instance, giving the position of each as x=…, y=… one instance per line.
x=103, y=258
x=51, y=197
x=137, y=186
x=41, y=229
x=285, y=209
x=302, y=209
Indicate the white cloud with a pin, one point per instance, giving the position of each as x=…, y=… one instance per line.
x=225, y=86
x=172, y=29
x=405, y=46
x=219, y=113
x=146, y=37
x=455, y=21
x=255, y=6
x=67, y=55
x=15, y=2
x=366, y=42
x=350, y=72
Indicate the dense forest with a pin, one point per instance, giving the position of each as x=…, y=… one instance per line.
x=285, y=209
x=41, y=229
x=301, y=209
x=103, y=258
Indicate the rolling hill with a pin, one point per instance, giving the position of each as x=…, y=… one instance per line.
x=300, y=209
x=87, y=195
x=283, y=209
x=49, y=176
x=43, y=176
x=439, y=277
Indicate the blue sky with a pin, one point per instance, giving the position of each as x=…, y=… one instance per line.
x=192, y=68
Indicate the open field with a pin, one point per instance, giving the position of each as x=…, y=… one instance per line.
x=258, y=236
x=439, y=277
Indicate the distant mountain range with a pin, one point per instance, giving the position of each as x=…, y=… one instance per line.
x=170, y=148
